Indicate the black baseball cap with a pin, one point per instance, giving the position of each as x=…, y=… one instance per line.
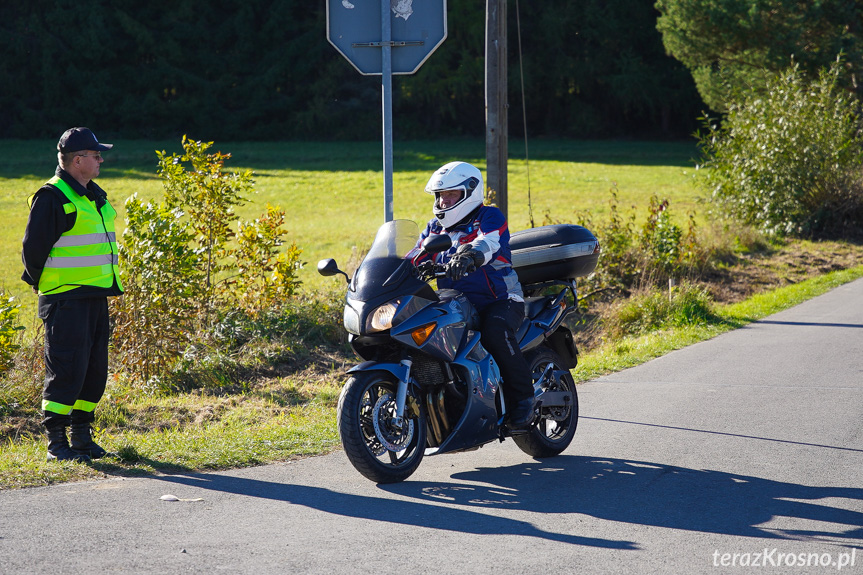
x=78, y=139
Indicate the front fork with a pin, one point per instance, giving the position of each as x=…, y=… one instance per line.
x=402, y=373
x=402, y=394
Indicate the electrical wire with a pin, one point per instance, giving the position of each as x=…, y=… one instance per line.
x=524, y=114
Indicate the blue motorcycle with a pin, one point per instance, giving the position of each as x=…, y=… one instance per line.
x=427, y=386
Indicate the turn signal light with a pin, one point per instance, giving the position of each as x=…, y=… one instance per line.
x=423, y=332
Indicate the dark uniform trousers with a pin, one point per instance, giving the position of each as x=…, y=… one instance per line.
x=500, y=322
x=76, y=356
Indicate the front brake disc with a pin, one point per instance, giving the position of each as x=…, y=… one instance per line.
x=383, y=416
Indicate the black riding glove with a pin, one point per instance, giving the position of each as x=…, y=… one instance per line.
x=426, y=268
x=464, y=262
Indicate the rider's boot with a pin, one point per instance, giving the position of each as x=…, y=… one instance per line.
x=522, y=415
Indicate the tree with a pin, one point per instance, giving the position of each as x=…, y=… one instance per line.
x=262, y=70
x=734, y=44
x=788, y=160
x=598, y=68
x=592, y=68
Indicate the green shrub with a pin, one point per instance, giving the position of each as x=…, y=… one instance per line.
x=661, y=239
x=619, y=265
x=633, y=258
x=680, y=306
x=15, y=394
x=9, y=330
x=22, y=378
x=196, y=183
x=181, y=274
x=157, y=316
x=244, y=343
x=265, y=275
x=788, y=160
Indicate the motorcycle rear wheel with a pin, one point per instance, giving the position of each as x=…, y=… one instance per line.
x=375, y=446
x=555, y=428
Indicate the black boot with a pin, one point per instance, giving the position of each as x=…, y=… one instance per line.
x=522, y=414
x=83, y=443
x=58, y=447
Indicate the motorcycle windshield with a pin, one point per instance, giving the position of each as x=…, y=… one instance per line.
x=385, y=272
x=394, y=239
x=385, y=277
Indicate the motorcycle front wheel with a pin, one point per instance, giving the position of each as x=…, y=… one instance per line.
x=555, y=428
x=379, y=448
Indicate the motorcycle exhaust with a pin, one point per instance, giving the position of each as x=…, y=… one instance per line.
x=437, y=417
x=433, y=421
x=444, y=421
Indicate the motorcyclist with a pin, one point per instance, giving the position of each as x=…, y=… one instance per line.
x=479, y=265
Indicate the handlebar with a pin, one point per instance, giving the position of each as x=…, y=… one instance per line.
x=430, y=270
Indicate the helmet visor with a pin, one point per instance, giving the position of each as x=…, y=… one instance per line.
x=446, y=199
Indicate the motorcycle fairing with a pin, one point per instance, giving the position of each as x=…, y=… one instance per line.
x=478, y=423
x=540, y=314
x=454, y=318
x=371, y=293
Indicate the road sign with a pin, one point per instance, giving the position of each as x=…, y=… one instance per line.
x=356, y=30
x=386, y=37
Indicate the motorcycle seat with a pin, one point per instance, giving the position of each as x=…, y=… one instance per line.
x=533, y=306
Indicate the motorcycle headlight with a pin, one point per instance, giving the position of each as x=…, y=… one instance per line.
x=352, y=320
x=382, y=318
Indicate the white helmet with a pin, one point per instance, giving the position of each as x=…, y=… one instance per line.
x=456, y=176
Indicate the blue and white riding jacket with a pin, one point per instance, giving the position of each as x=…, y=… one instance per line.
x=487, y=231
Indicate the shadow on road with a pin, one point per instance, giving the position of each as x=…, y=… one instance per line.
x=385, y=509
x=708, y=432
x=810, y=324
x=634, y=492
x=645, y=493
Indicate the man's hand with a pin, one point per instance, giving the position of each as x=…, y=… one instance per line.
x=464, y=262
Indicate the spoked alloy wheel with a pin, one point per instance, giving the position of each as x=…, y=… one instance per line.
x=377, y=447
x=554, y=430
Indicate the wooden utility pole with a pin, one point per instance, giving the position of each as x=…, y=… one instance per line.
x=496, y=103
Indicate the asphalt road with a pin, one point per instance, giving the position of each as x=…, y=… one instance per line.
x=742, y=454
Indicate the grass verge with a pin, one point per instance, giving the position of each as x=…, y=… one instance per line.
x=628, y=352
x=196, y=433
x=294, y=416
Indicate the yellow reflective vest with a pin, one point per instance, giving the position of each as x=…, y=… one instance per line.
x=86, y=255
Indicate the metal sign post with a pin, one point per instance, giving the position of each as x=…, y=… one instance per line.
x=387, y=107
x=356, y=28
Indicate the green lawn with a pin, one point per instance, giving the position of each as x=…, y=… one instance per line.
x=333, y=192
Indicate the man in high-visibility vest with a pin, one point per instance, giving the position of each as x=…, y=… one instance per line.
x=70, y=259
